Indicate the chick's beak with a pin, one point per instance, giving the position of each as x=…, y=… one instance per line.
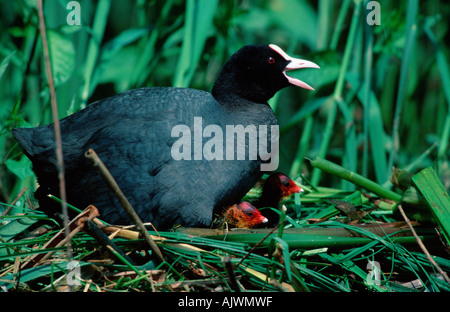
x=297, y=189
x=294, y=63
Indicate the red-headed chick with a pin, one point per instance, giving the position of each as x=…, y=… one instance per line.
x=244, y=215
x=277, y=187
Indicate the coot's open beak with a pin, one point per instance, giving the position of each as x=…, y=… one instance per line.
x=294, y=63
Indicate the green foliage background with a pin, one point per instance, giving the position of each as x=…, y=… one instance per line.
x=382, y=94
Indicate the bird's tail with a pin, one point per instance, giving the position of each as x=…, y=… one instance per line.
x=25, y=138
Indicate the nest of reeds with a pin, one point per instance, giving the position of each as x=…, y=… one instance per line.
x=327, y=240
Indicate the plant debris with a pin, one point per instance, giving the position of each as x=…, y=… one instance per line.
x=379, y=253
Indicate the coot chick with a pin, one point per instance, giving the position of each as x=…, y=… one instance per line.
x=143, y=136
x=277, y=187
x=244, y=215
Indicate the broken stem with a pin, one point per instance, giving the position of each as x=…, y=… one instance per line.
x=226, y=261
x=422, y=246
x=7, y=210
x=106, y=175
x=57, y=131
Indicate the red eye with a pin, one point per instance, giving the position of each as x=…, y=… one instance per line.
x=271, y=60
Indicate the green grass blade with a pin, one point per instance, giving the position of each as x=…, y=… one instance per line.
x=437, y=197
x=98, y=29
x=404, y=71
x=339, y=24
x=286, y=256
x=5, y=62
x=355, y=178
x=350, y=159
x=197, y=28
x=323, y=23
x=445, y=75
x=328, y=132
x=62, y=56
x=367, y=95
x=328, y=283
x=302, y=146
x=376, y=131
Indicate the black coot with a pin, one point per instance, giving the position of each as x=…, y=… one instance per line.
x=168, y=148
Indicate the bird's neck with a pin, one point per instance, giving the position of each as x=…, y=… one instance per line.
x=268, y=199
x=230, y=90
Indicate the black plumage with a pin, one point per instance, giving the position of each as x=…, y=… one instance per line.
x=132, y=134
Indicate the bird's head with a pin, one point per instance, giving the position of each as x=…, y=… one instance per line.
x=244, y=215
x=257, y=72
x=281, y=183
